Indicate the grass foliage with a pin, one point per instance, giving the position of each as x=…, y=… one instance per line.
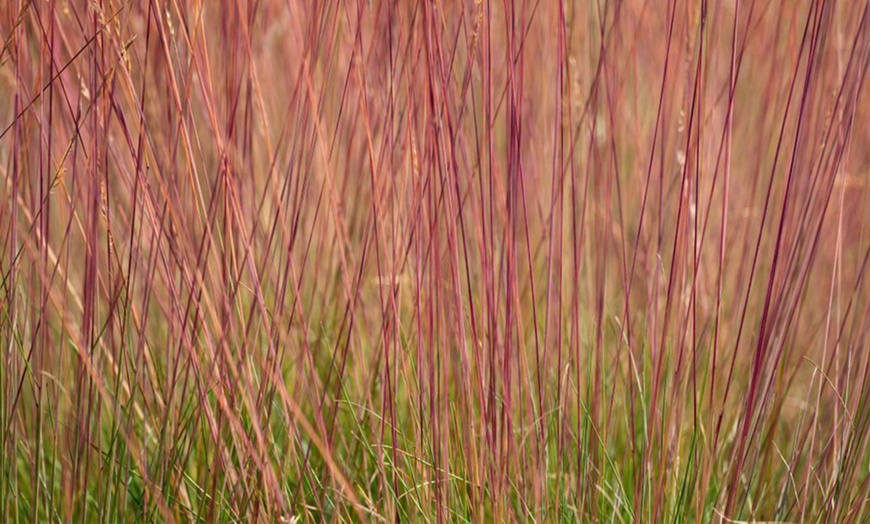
x=434, y=260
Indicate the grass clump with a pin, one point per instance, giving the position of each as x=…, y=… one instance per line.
x=434, y=261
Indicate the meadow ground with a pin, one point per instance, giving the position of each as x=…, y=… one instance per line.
x=434, y=260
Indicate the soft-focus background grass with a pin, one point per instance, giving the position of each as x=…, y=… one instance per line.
x=434, y=260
